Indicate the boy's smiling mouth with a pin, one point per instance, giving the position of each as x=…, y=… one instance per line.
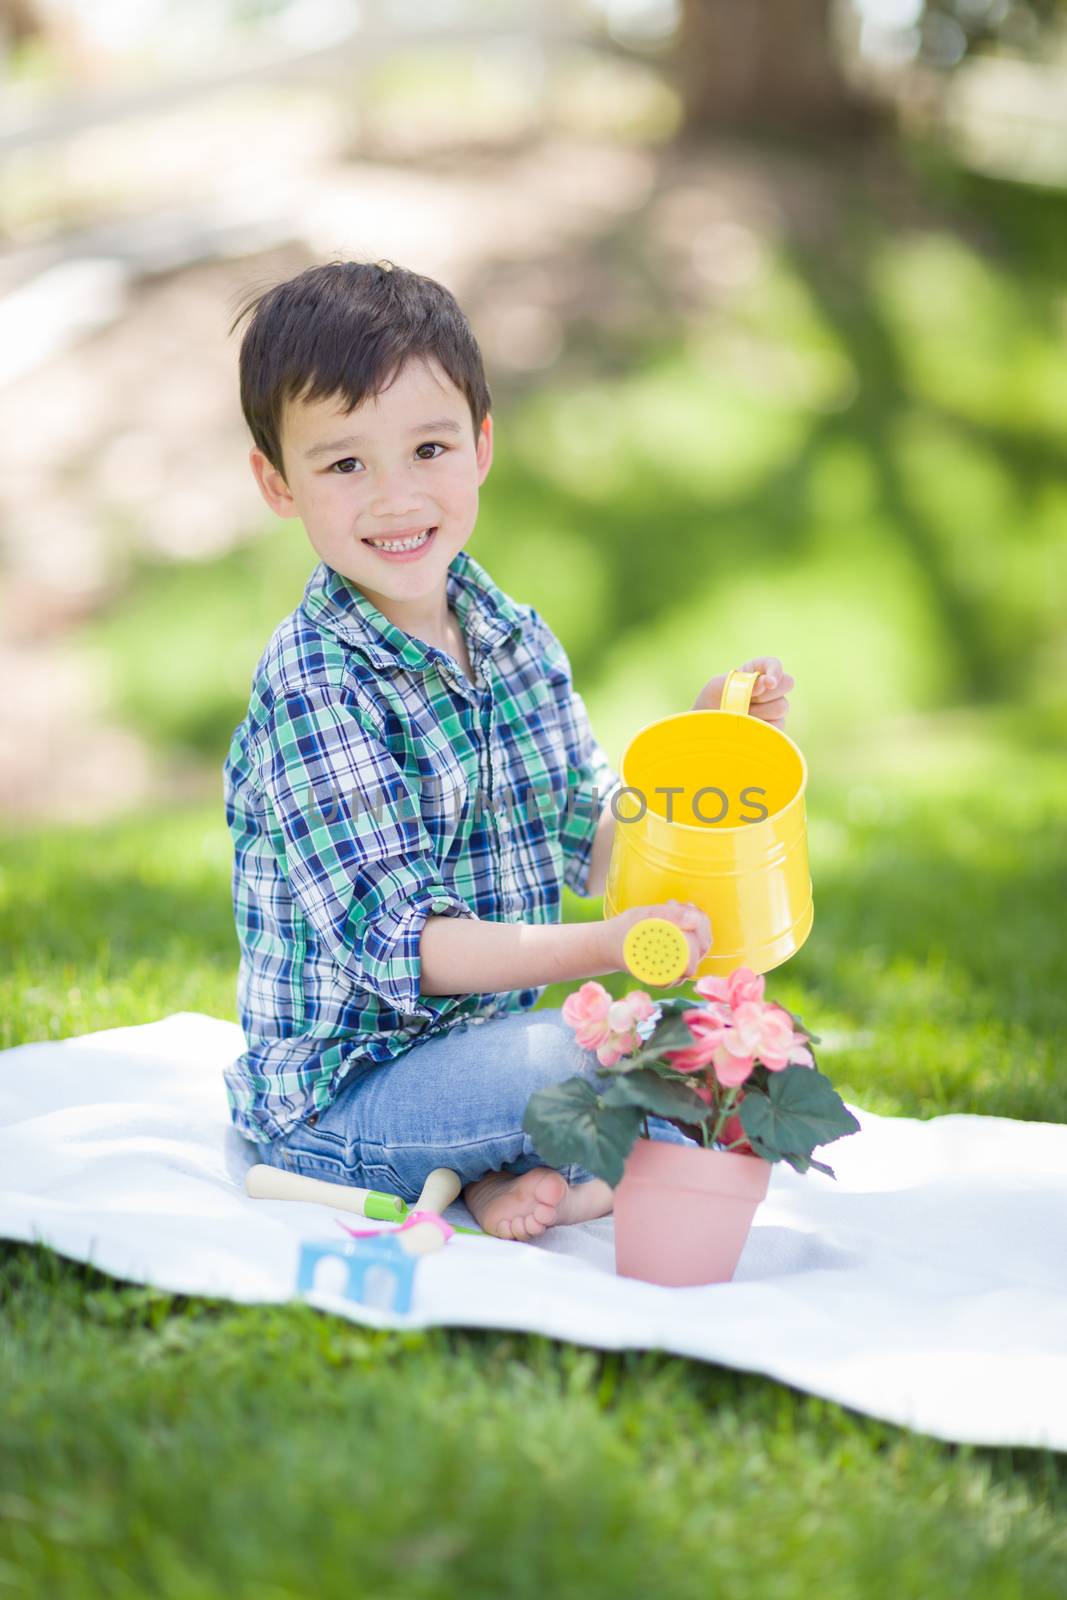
x=411, y=542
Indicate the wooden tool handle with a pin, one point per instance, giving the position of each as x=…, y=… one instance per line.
x=440, y=1189
x=271, y=1183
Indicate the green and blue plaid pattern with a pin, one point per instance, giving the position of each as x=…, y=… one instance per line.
x=370, y=785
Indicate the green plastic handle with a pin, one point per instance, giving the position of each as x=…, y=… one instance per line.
x=384, y=1207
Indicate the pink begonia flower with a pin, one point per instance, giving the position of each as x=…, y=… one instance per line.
x=731, y=1069
x=761, y=1031
x=586, y=1011
x=742, y=984
x=624, y=1018
x=610, y=1027
x=790, y=1040
x=708, y=1033
x=732, y=1041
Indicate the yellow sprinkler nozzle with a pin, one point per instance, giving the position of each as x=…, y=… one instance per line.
x=655, y=951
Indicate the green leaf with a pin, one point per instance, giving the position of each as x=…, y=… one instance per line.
x=670, y=1033
x=799, y=1028
x=793, y=1111
x=802, y=1163
x=676, y=1005
x=662, y=1097
x=569, y=1121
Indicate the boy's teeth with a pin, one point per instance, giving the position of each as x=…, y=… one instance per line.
x=400, y=544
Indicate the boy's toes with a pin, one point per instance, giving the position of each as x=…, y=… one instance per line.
x=532, y=1199
x=549, y=1190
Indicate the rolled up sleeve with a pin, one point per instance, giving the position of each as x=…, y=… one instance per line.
x=591, y=778
x=358, y=858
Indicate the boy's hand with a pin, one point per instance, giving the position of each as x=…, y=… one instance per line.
x=684, y=914
x=768, y=702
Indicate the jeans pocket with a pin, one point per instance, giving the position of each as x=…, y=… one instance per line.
x=316, y=1152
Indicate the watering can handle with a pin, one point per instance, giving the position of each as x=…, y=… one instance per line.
x=737, y=691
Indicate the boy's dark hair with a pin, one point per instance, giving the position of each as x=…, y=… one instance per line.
x=345, y=328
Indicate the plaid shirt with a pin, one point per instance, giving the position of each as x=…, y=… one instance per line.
x=370, y=785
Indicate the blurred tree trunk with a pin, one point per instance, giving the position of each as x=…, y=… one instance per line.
x=763, y=64
x=19, y=20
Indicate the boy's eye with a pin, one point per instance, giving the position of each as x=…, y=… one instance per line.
x=346, y=463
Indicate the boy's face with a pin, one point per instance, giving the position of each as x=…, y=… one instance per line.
x=404, y=461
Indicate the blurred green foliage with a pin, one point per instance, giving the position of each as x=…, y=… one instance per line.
x=857, y=465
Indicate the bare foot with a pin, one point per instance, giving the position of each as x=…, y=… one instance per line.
x=522, y=1206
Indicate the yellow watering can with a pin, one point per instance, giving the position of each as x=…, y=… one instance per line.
x=712, y=811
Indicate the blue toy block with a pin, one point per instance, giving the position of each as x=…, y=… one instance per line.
x=380, y=1271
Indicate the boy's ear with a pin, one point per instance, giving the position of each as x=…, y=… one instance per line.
x=483, y=448
x=272, y=486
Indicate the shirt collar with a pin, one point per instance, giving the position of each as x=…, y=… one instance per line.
x=485, y=614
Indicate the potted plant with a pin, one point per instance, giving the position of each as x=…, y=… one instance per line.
x=736, y=1074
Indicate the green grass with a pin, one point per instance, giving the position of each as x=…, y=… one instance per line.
x=858, y=465
x=166, y=1447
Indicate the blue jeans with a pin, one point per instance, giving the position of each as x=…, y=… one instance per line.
x=456, y=1100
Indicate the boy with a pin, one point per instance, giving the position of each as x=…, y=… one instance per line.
x=413, y=781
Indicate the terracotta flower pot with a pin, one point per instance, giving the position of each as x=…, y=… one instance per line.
x=682, y=1213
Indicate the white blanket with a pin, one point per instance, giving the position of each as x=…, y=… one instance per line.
x=927, y=1285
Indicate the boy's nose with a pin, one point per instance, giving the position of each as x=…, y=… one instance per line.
x=398, y=506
